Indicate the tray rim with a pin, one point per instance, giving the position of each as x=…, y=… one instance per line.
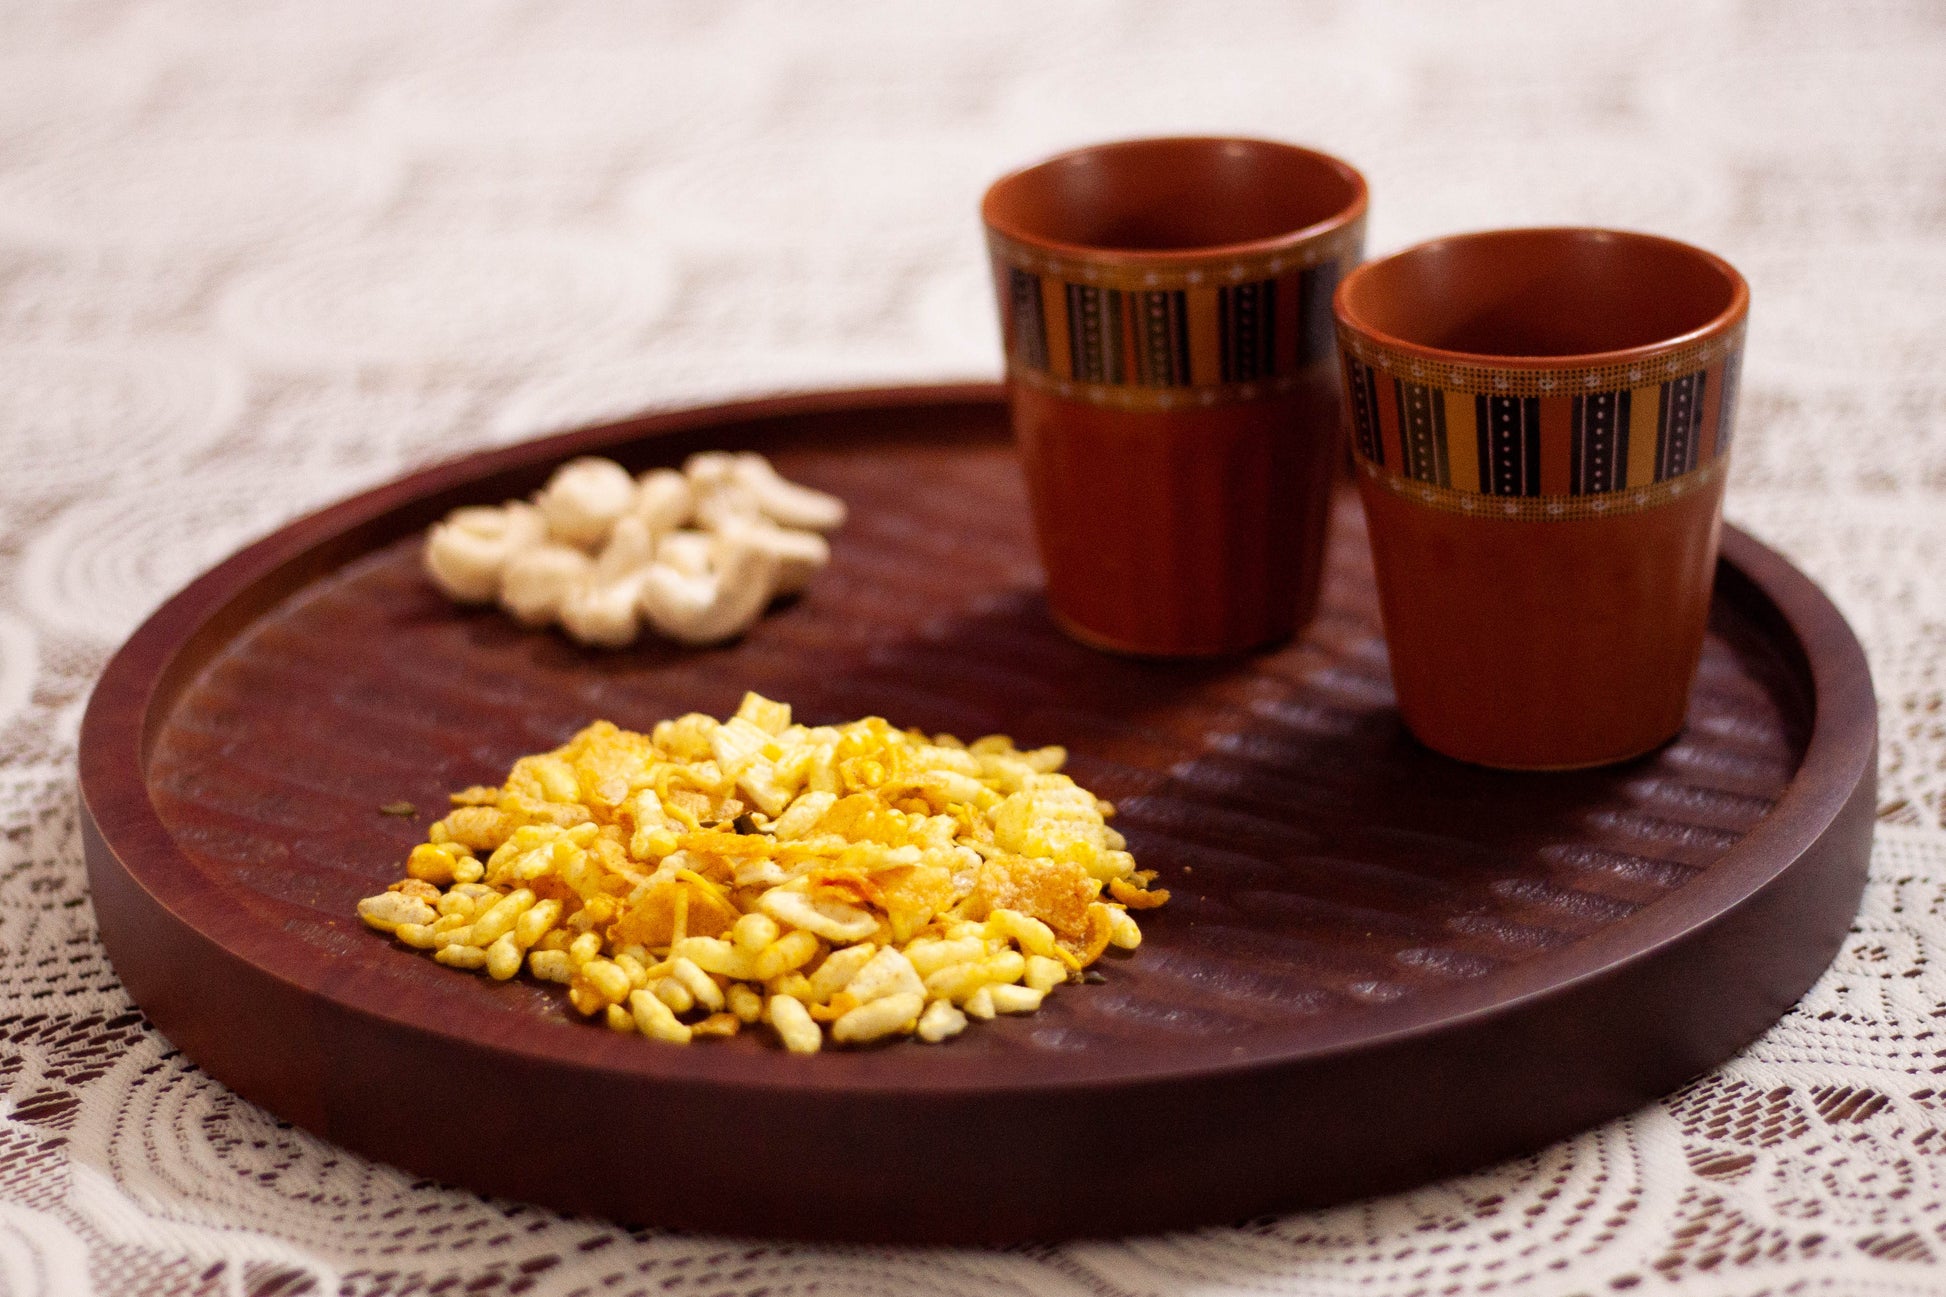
x=145, y=676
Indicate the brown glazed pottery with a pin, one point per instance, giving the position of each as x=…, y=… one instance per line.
x=1377, y=965
x=1165, y=311
x=1541, y=419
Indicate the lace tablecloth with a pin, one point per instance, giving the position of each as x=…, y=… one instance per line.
x=255, y=256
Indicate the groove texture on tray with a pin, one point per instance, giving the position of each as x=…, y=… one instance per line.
x=1321, y=862
x=1379, y=966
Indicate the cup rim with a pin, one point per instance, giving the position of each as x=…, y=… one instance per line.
x=1718, y=325
x=1351, y=212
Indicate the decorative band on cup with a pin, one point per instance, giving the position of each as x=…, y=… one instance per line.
x=1138, y=339
x=1493, y=380
x=1613, y=445
x=1340, y=245
x=1546, y=508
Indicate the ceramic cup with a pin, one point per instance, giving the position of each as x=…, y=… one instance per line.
x=1165, y=308
x=1541, y=422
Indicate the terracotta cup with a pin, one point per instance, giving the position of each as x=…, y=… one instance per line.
x=1541, y=421
x=1166, y=312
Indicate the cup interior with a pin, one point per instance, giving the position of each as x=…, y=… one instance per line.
x=1172, y=195
x=1542, y=293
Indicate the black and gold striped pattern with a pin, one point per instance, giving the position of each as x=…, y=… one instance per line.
x=1507, y=434
x=1247, y=316
x=1025, y=322
x=1362, y=404
x=1422, y=433
x=1162, y=344
x=1182, y=335
x=1599, y=452
x=1605, y=446
x=1094, y=333
x=1678, y=427
x=1727, y=400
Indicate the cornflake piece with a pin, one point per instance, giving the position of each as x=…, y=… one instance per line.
x=845, y=884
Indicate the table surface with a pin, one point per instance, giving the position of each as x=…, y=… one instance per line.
x=256, y=256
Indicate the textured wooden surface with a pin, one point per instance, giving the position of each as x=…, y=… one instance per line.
x=1379, y=964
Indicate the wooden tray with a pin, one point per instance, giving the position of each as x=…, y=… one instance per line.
x=1380, y=966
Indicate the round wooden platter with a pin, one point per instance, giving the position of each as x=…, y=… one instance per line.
x=1379, y=966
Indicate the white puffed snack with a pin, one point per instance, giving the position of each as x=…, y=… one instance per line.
x=603, y=613
x=629, y=549
x=694, y=555
x=584, y=499
x=663, y=500
x=712, y=607
x=726, y=504
x=785, y=502
x=689, y=552
x=708, y=469
x=466, y=554
x=538, y=580
x=799, y=555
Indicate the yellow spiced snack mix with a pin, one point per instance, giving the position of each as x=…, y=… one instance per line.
x=840, y=884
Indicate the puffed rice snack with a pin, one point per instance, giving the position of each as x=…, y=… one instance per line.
x=841, y=884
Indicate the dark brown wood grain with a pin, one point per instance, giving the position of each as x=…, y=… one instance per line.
x=1379, y=966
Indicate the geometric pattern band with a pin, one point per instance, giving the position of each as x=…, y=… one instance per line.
x=1134, y=346
x=1609, y=442
x=1545, y=508
x=1465, y=374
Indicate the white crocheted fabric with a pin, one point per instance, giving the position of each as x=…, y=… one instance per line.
x=255, y=256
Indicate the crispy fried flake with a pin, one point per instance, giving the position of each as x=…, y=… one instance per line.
x=1056, y=892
